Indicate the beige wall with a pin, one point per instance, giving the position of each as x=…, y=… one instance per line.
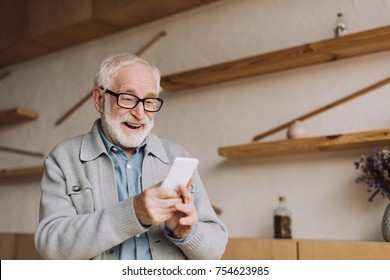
x=319, y=187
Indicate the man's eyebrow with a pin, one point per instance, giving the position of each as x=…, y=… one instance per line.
x=152, y=94
x=126, y=90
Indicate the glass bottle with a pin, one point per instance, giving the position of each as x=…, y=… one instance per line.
x=341, y=27
x=282, y=220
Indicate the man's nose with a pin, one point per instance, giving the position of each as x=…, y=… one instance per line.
x=138, y=111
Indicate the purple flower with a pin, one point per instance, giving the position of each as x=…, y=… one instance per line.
x=375, y=173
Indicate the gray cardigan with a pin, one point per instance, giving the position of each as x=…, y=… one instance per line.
x=81, y=218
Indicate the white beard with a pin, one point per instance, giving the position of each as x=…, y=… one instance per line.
x=114, y=128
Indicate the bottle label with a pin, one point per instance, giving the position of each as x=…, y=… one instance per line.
x=282, y=226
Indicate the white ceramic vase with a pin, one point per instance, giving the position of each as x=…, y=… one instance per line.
x=296, y=130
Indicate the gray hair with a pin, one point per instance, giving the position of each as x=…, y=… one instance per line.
x=113, y=63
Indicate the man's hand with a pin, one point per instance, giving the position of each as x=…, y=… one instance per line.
x=186, y=216
x=155, y=205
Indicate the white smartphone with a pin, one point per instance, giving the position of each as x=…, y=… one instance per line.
x=180, y=172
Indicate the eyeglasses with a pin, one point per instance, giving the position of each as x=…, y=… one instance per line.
x=130, y=101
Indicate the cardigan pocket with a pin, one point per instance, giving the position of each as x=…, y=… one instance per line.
x=80, y=192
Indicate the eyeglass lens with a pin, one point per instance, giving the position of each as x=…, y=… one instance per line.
x=130, y=101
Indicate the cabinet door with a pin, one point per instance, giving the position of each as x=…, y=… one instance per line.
x=343, y=250
x=25, y=247
x=7, y=241
x=18, y=246
x=260, y=249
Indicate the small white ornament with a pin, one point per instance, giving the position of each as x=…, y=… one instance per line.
x=341, y=27
x=296, y=130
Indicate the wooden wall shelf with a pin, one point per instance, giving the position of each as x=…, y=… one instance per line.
x=28, y=173
x=16, y=115
x=361, y=43
x=373, y=139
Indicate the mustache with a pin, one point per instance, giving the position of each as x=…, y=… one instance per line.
x=131, y=119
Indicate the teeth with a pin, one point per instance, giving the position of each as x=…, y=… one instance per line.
x=133, y=125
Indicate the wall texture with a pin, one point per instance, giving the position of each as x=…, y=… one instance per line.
x=320, y=188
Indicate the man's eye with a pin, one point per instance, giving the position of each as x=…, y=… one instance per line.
x=128, y=98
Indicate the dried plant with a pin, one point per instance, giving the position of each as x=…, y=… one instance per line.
x=376, y=170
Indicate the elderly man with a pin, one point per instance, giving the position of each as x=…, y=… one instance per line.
x=101, y=194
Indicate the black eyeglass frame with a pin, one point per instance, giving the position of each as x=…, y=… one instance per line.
x=142, y=100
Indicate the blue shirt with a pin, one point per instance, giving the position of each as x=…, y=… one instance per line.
x=128, y=182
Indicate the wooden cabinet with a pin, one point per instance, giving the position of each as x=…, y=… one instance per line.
x=343, y=250
x=18, y=246
x=260, y=249
x=279, y=249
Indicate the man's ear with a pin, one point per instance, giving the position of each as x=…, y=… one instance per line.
x=98, y=99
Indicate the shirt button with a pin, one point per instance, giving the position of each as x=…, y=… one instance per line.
x=76, y=188
x=114, y=149
x=128, y=166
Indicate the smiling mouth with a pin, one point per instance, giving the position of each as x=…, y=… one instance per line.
x=133, y=125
